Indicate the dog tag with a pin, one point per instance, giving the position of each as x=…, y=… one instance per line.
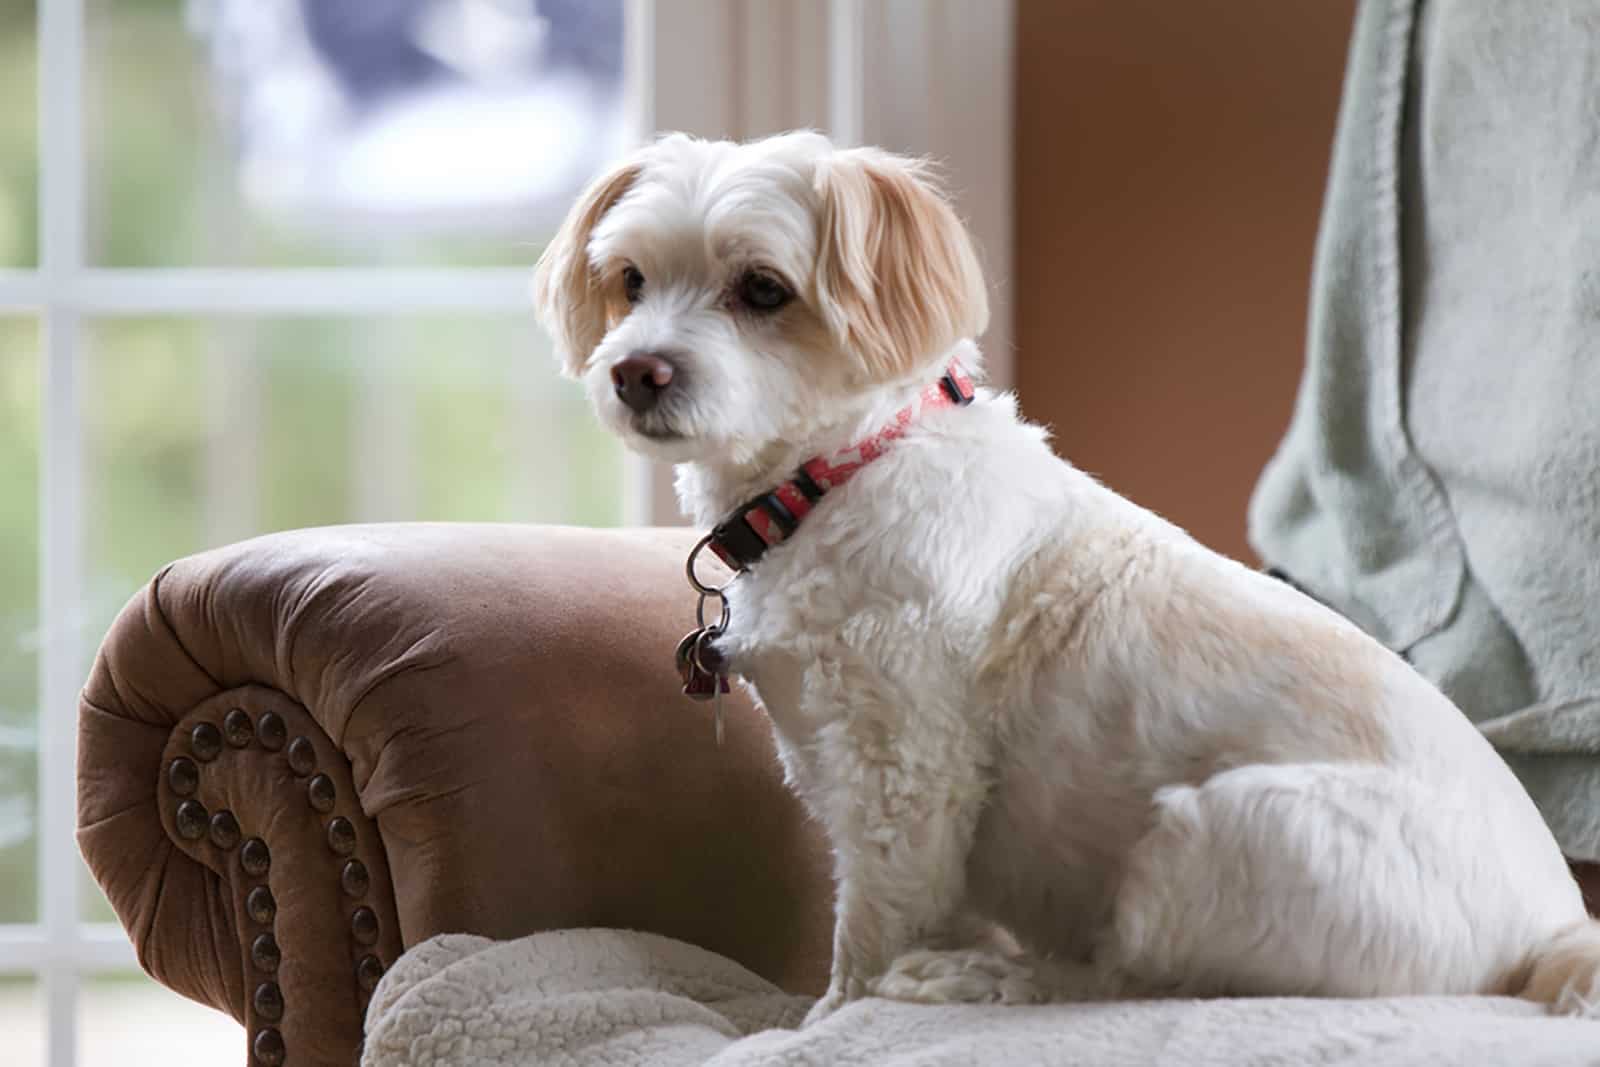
x=698, y=682
x=700, y=664
x=685, y=651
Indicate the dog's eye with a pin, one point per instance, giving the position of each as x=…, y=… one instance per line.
x=762, y=292
x=632, y=283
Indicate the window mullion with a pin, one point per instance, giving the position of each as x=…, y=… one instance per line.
x=61, y=183
x=845, y=33
x=100, y=947
x=275, y=291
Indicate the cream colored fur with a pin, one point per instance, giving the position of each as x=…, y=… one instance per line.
x=1014, y=699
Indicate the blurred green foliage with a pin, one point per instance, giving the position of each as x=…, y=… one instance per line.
x=19, y=615
x=201, y=431
x=19, y=472
x=19, y=178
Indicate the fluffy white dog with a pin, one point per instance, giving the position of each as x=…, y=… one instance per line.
x=1014, y=699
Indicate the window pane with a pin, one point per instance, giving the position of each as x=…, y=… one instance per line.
x=295, y=132
x=19, y=140
x=129, y=1018
x=22, y=1020
x=19, y=619
x=203, y=432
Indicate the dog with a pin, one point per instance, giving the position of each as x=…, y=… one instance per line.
x=1060, y=749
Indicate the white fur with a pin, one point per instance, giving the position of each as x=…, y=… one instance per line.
x=1013, y=697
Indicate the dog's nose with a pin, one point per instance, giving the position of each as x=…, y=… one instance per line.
x=641, y=378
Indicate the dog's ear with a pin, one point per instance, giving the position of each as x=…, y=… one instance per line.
x=898, y=282
x=567, y=299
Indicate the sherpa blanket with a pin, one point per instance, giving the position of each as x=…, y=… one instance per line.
x=605, y=998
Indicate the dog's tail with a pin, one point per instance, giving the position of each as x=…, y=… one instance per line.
x=1564, y=972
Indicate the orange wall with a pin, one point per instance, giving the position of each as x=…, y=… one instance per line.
x=1171, y=158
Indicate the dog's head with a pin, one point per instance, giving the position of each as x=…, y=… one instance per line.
x=716, y=298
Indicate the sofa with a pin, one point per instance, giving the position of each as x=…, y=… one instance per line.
x=302, y=754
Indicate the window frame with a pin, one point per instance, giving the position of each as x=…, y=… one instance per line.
x=60, y=294
x=732, y=68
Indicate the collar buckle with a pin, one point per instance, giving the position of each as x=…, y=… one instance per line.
x=958, y=389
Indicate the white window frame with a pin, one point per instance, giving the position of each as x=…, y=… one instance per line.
x=731, y=68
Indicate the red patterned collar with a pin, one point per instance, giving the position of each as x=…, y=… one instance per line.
x=766, y=520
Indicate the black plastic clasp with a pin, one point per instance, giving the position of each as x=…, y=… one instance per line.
x=959, y=396
x=736, y=544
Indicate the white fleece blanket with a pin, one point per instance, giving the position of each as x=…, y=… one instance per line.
x=605, y=998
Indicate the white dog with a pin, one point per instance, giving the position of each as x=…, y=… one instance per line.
x=1013, y=698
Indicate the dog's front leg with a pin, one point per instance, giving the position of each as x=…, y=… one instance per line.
x=902, y=833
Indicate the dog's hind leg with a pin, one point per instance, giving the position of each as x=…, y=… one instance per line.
x=1317, y=880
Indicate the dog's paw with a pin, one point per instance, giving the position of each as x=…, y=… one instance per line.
x=963, y=976
x=840, y=993
x=824, y=1007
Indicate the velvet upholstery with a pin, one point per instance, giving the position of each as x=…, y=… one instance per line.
x=492, y=710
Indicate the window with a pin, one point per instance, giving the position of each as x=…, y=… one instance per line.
x=264, y=264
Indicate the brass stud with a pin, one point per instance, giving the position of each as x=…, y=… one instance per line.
x=321, y=792
x=272, y=731
x=237, y=728
x=254, y=857
x=224, y=830
x=368, y=972
x=341, y=835
x=268, y=1047
x=206, y=741
x=191, y=820
x=260, y=905
x=354, y=878
x=364, y=925
x=269, y=1001
x=183, y=776
x=302, y=756
x=264, y=953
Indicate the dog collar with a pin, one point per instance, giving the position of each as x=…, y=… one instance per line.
x=769, y=519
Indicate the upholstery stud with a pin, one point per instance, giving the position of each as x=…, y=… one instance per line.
x=224, y=830
x=254, y=857
x=302, y=756
x=364, y=925
x=321, y=792
x=341, y=835
x=264, y=953
x=269, y=1001
x=268, y=1047
x=237, y=728
x=260, y=905
x=183, y=776
x=206, y=741
x=368, y=971
x=272, y=731
x=191, y=820
x=354, y=878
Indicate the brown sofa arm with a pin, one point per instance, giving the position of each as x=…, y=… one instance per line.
x=300, y=754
